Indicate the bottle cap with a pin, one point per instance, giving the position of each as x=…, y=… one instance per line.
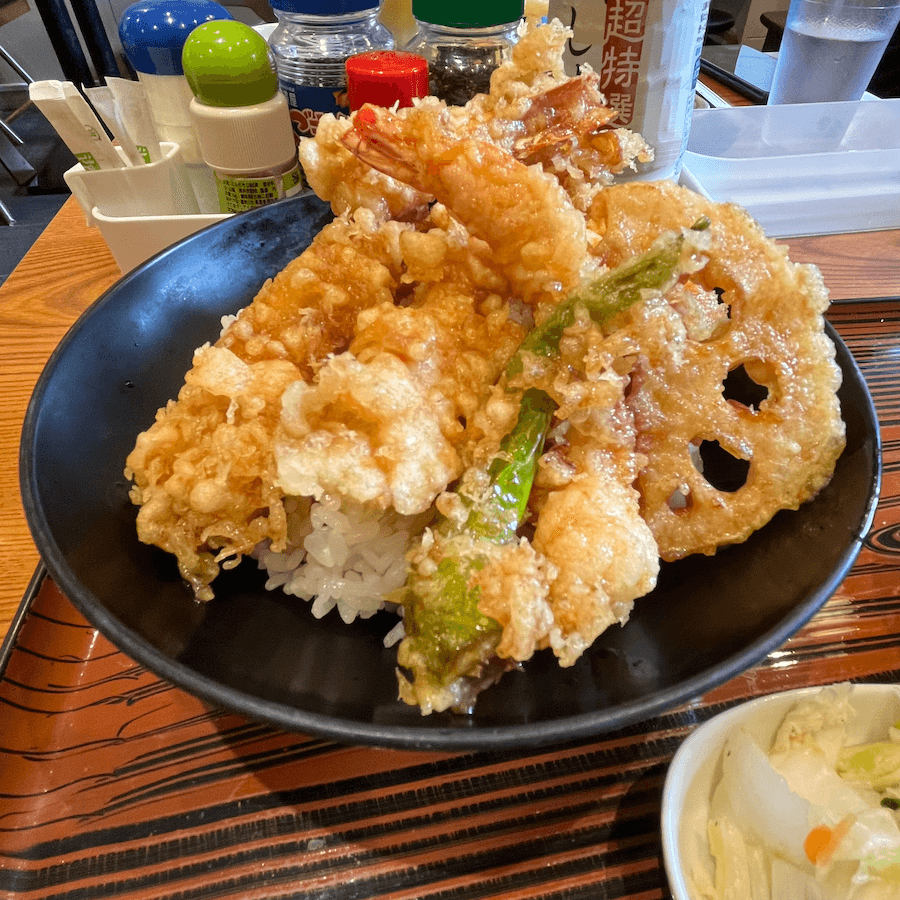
x=246, y=139
x=323, y=7
x=386, y=77
x=468, y=13
x=153, y=32
x=241, y=119
x=228, y=64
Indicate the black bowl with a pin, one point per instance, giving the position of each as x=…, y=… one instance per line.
x=263, y=654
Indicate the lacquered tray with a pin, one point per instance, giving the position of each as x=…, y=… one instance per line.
x=114, y=784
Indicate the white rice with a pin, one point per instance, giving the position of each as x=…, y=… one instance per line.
x=341, y=556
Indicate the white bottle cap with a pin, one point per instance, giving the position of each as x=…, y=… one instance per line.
x=245, y=139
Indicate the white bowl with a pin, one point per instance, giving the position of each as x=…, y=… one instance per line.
x=697, y=767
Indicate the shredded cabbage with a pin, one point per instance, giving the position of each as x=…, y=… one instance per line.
x=804, y=819
x=876, y=765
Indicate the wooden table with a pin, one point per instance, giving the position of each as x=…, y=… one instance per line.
x=68, y=268
x=114, y=783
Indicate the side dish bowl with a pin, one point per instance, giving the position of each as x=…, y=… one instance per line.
x=697, y=767
x=262, y=653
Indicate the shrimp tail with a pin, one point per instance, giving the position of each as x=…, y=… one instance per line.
x=376, y=140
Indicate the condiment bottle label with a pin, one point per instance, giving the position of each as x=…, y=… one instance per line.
x=647, y=55
x=237, y=193
x=308, y=104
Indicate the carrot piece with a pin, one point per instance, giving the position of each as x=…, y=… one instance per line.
x=822, y=841
x=816, y=842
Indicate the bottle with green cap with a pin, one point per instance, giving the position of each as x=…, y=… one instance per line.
x=463, y=42
x=241, y=118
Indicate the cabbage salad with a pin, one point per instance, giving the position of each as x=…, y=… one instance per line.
x=813, y=817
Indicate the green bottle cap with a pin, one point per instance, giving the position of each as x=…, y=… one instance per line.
x=468, y=13
x=229, y=64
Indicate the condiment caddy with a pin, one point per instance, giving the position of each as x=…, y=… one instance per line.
x=210, y=125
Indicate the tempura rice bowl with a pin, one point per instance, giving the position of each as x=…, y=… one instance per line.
x=263, y=653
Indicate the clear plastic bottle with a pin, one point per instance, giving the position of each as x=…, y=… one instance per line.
x=463, y=43
x=311, y=45
x=647, y=56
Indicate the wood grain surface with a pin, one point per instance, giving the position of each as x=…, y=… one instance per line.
x=116, y=784
x=70, y=266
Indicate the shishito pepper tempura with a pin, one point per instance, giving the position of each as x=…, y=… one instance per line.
x=484, y=391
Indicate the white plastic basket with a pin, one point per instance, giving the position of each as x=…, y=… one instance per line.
x=140, y=210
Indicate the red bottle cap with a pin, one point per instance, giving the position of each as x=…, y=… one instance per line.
x=385, y=77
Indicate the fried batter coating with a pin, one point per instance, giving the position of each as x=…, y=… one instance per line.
x=604, y=555
x=538, y=237
x=514, y=585
x=365, y=432
x=534, y=112
x=308, y=310
x=454, y=345
x=379, y=424
x=775, y=331
x=204, y=473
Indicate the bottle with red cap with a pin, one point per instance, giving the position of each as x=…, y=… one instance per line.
x=386, y=78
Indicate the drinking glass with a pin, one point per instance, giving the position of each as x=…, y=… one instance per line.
x=831, y=48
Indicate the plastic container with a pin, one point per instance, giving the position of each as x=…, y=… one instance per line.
x=385, y=78
x=134, y=239
x=311, y=45
x=158, y=188
x=648, y=57
x=241, y=118
x=139, y=210
x=463, y=43
x=800, y=169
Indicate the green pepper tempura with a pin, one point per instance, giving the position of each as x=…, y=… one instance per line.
x=449, y=653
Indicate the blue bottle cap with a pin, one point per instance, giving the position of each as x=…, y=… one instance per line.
x=323, y=7
x=153, y=32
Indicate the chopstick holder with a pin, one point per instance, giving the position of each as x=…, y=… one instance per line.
x=156, y=189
